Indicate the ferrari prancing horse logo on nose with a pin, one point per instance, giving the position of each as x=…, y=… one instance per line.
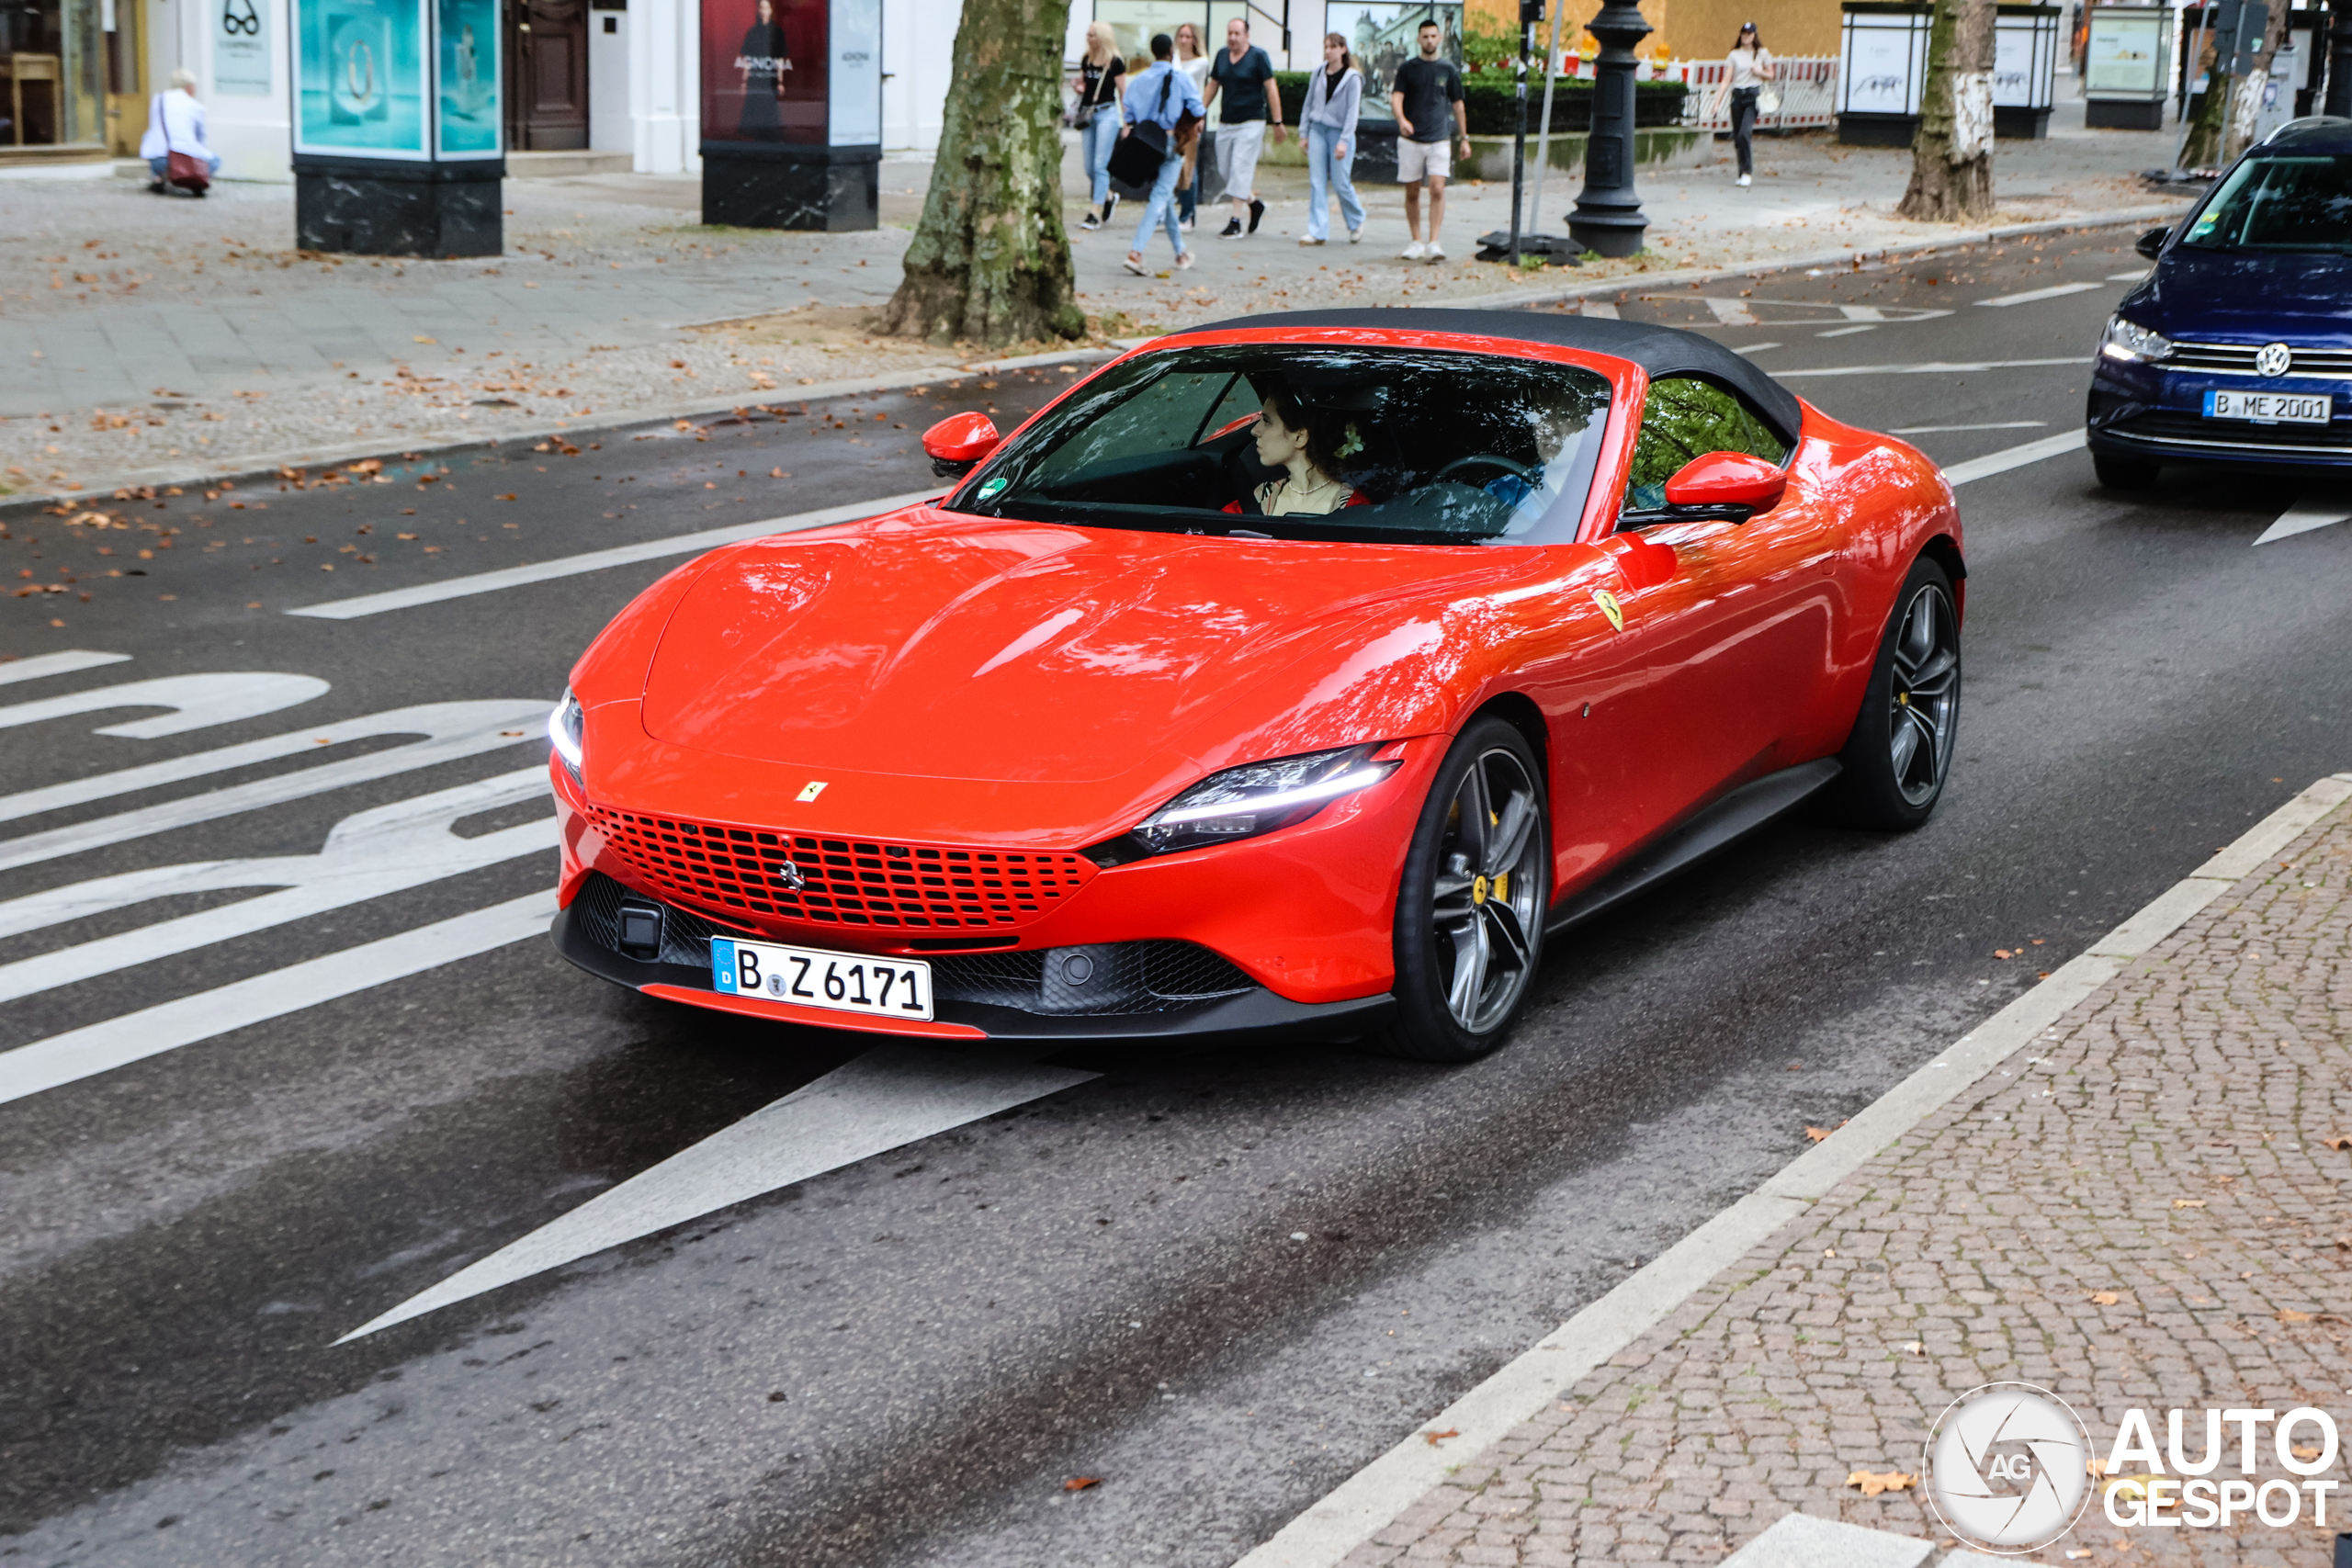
x=1610, y=607
x=815, y=788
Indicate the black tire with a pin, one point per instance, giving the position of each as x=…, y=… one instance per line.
x=1888, y=784
x=1488, y=896
x=2123, y=473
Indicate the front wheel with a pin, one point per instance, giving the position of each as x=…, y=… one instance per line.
x=1899, y=754
x=1470, y=908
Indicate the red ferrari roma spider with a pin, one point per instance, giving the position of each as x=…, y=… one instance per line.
x=1299, y=673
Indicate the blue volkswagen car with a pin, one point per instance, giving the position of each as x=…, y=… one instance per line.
x=2238, y=347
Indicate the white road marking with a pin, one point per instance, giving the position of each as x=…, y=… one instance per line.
x=450, y=729
x=598, y=560
x=1869, y=313
x=200, y=701
x=2055, y=291
x=1755, y=348
x=1849, y=331
x=1942, y=429
x=64, y=663
x=1599, y=310
x=2001, y=462
x=2304, y=516
x=891, y=1095
x=2127, y=276
x=1731, y=312
x=367, y=855
x=101, y=1047
x=1935, y=368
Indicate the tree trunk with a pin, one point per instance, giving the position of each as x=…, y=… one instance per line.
x=2203, y=150
x=1951, y=158
x=991, y=262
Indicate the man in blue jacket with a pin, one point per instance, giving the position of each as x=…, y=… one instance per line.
x=1162, y=96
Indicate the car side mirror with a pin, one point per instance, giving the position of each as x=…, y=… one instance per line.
x=956, y=444
x=1726, y=484
x=2152, y=243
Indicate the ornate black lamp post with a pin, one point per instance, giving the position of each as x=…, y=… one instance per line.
x=1608, y=217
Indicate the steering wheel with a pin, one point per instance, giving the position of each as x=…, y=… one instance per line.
x=1527, y=474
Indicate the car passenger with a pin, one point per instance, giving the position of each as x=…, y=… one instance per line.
x=1307, y=446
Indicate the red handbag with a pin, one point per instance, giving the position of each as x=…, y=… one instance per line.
x=188, y=172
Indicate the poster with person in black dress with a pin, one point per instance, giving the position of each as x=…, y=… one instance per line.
x=763, y=70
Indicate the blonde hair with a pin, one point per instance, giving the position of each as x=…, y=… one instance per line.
x=1182, y=28
x=183, y=77
x=1101, y=47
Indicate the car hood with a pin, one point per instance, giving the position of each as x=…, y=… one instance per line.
x=933, y=644
x=2232, y=297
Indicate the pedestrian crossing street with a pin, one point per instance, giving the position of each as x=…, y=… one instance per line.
x=374, y=852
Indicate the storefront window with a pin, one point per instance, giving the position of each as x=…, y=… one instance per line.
x=53, y=82
x=1134, y=21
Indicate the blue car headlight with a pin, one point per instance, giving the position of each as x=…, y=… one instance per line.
x=1243, y=802
x=567, y=726
x=2134, y=344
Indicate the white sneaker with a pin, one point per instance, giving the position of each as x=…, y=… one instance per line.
x=1436, y=251
x=1355, y=236
x=1414, y=252
x=1743, y=179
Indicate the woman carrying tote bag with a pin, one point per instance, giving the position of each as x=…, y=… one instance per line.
x=1096, y=116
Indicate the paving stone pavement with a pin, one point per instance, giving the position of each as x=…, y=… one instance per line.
x=143, y=336
x=2144, y=1211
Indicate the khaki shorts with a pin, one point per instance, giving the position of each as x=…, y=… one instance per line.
x=1419, y=159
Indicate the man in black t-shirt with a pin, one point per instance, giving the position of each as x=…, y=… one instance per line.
x=1243, y=75
x=1426, y=98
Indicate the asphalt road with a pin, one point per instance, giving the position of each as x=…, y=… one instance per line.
x=905, y=1360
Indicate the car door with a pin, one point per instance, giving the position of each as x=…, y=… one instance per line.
x=1727, y=626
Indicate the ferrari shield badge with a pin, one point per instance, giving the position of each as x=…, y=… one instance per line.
x=815, y=788
x=1610, y=607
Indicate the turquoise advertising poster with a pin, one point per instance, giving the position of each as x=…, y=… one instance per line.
x=361, y=78
x=468, y=78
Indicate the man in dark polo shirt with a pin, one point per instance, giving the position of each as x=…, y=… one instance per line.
x=1426, y=98
x=1244, y=77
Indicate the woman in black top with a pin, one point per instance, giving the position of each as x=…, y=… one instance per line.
x=1096, y=115
x=764, y=59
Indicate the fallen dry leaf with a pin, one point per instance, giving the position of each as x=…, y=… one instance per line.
x=1081, y=1482
x=2189, y=1203
x=1873, y=1484
x=1437, y=1437
x=2337, y=1143
x=1816, y=1134
x=2303, y=1451
x=2105, y=1298
x=2289, y=1314
x=2002, y=953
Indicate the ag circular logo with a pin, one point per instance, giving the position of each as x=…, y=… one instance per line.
x=2273, y=358
x=2007, y=1467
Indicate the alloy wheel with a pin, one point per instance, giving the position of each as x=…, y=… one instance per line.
x=1925, y=699
x=1487, y=893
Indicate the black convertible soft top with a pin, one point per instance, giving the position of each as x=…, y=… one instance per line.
x=1660, y=350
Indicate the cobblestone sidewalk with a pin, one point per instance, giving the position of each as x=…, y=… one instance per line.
x=2145, y=1210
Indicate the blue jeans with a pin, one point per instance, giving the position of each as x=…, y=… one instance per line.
x=1102, y=134
x=1326, y=168
x=1161, y=206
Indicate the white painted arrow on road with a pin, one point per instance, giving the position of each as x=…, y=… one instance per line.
x=2306, y=516
x=892, y=1095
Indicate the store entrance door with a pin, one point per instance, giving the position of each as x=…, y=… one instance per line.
x=548, y=103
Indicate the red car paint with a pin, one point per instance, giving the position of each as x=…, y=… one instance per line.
x=1014, y=686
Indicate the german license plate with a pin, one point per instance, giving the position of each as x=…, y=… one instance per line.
x=837, y=982
x=2269, y=408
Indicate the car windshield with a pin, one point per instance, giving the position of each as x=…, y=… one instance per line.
x=1288, y=442
x=2279, y=204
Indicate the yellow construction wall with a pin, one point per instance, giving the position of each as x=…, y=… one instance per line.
x=1694, y=29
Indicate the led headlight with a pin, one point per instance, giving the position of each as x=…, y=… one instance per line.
x=566, y=725
x=2134, y=344
x=1243, y=802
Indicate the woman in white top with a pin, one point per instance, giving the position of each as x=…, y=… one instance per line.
x=176, y=124
x=1751, y=67
x=1194, y=61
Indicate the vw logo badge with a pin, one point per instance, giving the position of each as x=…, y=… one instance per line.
x=2007, y=1467
x=2272, y=358
x=787, y=876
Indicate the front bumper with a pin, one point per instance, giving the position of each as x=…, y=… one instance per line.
x=2157, y=415
x=1151, y=991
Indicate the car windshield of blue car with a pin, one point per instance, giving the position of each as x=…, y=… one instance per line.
x=2279, y=204
x=1292, y=442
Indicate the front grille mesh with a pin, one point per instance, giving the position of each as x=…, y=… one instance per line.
x=2191, y=430
x=2237, y=359
x=846, y=881
x=1104, y=980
